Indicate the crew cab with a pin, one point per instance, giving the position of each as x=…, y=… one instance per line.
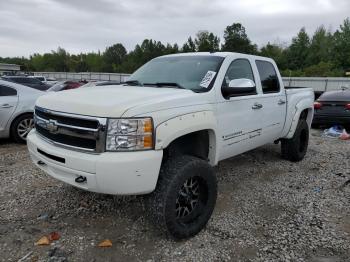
x=162, y=131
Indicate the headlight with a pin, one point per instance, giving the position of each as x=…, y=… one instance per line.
x=129, y=134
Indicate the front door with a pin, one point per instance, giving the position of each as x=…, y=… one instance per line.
x=240, y=117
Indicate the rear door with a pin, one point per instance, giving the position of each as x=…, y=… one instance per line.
x=8, y=104
x=273, y=99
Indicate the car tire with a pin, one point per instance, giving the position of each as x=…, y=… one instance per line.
x=21, y=126
x=185, y=196
x=294, y=149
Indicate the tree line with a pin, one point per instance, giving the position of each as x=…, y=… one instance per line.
x=325, y=53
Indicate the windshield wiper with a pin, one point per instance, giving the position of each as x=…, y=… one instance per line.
x=161, y=84
x=133, y=83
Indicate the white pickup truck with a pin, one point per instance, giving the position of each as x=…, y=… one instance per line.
x=161, y=132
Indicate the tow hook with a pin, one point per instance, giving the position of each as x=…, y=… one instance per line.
x=80, y=179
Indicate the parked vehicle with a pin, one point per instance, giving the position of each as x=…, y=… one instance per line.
x=51, y=81
x=333, y=108
x=64, y=85
x=101, y=83
x=45, y=80
x=27, y=81
x=164, y=129
x=108, y=83
x=16, y=110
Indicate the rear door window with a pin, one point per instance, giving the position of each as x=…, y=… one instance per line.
x=7, y=91
x=268, y=77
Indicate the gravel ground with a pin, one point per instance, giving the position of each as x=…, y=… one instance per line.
x=268, y=209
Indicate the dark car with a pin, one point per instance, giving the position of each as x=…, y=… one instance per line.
x=333, y=108
x=65, y=85
x=27, y=81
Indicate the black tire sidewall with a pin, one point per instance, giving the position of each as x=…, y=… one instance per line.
x=302, y=126
x=188, y=171
x=174, y=173
x=291, y=147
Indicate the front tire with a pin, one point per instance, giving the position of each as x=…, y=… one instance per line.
x=294, y=149
x=21, y=126
x=185, y=196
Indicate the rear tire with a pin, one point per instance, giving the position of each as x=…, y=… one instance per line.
x=21, y=126
x=294, y=149
x=185, y=196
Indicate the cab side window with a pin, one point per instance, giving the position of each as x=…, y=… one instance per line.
x=7, y=91
x=268, y=77
x=238, y=69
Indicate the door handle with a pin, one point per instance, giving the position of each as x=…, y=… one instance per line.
x=6, y=106
x=281, y=102
x=257, y=106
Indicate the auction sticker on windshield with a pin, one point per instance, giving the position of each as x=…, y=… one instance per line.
x=207, y=79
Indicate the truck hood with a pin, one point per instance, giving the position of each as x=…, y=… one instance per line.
x=114, y=101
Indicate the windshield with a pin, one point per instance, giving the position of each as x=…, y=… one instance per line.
x=191, y=72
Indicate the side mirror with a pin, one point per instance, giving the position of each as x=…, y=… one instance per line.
x=241, y=86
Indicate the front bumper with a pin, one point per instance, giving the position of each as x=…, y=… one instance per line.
x=117, y=173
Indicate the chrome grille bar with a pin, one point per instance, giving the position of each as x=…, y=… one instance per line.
x=54, y=129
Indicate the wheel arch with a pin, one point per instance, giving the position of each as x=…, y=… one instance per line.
x=302, y=112
x=193, y=133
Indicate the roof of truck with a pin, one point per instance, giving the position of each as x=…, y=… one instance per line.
x=222, y=54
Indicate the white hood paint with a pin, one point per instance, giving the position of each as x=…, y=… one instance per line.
x=114, y=101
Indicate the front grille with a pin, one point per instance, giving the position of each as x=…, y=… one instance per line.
x=73, y=131
x=67, y=140
x=67, y=120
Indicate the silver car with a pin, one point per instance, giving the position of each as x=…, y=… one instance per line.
x=16, y=110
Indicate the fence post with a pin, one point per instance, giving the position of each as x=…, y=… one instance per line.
x=325, y=88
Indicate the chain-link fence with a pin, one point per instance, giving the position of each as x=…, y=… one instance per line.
x=85, y=76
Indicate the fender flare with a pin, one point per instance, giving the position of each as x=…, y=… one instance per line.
x=173, y=128
x=299, y=108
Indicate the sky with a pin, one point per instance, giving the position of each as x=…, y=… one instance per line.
x=39, y=26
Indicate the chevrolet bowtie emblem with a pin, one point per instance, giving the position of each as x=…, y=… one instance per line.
x=52, y=126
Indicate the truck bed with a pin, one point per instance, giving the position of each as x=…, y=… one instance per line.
x=317, y=93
